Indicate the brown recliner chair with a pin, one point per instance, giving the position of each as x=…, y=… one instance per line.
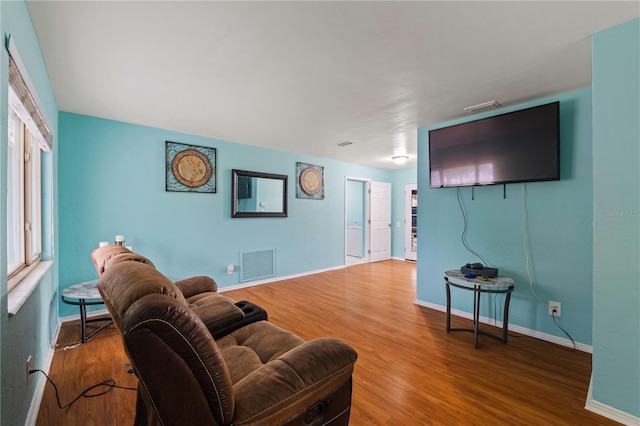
x=258, y=374
x=220, y=314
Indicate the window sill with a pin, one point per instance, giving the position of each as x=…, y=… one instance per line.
x=21, y=292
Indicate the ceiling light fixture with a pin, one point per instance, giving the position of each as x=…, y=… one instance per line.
x=482, y=106
x=400, y=159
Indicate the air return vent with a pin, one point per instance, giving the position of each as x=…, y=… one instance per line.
x=257, y=264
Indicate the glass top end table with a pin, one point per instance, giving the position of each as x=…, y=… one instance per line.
x=85, y=294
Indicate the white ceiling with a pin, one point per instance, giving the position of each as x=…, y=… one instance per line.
x=305, y=76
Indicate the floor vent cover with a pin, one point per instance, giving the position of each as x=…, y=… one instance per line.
x=257, y=264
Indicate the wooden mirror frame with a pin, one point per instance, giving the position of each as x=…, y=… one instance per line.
x=235, y=174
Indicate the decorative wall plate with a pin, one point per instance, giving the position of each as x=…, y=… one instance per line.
x=190, y=168
x=310, y=181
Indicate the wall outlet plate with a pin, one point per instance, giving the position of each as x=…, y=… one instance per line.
x=557, y=306
x=230, y=269
x=29, y=368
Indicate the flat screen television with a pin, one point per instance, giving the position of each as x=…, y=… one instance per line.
x=519, y=146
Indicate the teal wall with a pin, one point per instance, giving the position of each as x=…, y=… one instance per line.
x=558, y=227
x=616, y=217
x=112, y=182
x=29, y=332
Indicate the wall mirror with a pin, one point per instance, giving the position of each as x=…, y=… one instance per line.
x=255, y=194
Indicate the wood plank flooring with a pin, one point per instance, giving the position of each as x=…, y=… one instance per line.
x=409, y=370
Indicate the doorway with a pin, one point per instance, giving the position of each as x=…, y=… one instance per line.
x=367, y=221
x=356, y=221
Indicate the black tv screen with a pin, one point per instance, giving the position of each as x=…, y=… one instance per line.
x=520, y=146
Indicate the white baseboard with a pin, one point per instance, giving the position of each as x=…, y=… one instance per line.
x=515, y=328
x=607, y=411
x=288, y=277
x=271, y=280
x=34, y=408
x=91, y=314
x=221, y=289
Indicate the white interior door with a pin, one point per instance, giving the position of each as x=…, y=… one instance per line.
x=380, y=216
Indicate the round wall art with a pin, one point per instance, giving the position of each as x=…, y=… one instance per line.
x=190, y=168
x=310, y=181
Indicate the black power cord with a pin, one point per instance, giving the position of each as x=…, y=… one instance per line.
x=110, y=384
x=563, y=330
x=464, y=231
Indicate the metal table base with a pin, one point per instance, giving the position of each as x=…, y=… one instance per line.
x=478, y=289
x=83, y=295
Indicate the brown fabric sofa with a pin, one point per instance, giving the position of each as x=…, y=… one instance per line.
x=258, y=374
x=220, y=314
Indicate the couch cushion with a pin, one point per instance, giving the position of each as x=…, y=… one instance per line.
x=193, y=286
x=276, y=375
x=215, y=310
x=249, y=347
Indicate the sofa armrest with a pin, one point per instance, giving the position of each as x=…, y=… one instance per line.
x=216, y=311
x=295, y=380
x=195, y=285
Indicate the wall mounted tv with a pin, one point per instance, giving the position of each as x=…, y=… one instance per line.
x=519, y=146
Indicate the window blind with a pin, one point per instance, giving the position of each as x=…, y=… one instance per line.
x=25, y=103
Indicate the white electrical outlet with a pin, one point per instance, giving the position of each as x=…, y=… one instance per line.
x=29, y=368
x=230, y=269
x=555, y=308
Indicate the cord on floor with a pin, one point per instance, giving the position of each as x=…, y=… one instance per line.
x=110, y=384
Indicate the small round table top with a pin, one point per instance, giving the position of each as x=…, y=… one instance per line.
x=84, y=290
x=458, y=277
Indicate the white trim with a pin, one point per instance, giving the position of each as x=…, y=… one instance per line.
x=361, y=179
x=608, y=411
x=275, y=279
x=19, y=294
x=36, y=401
x=220, y=290
x=75, y=317
x=515, y=328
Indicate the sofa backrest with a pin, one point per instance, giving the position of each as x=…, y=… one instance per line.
x=125, y=282
x=105, y=257
x=181, y=371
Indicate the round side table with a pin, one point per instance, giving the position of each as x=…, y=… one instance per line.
x=496, y=285
x=85, y=294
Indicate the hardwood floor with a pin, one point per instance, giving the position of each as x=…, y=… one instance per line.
x=409, y=370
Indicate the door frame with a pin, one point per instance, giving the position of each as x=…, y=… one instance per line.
x=408, y=188
x=366, y=227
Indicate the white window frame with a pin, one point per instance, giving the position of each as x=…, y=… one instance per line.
x=25, y=233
